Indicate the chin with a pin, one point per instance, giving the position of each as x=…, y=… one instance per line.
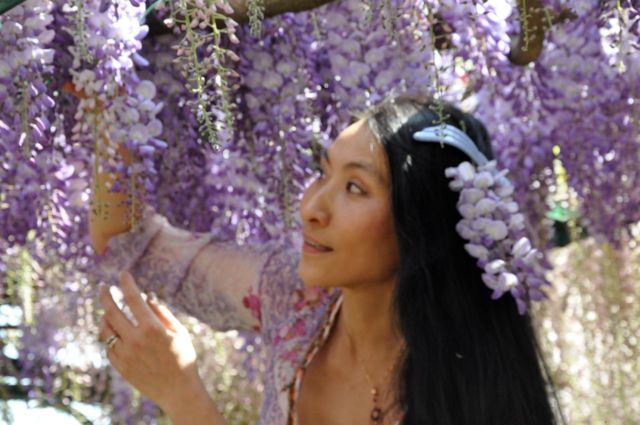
x=312, y=277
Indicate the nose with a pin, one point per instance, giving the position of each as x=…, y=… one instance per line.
x=314, y=206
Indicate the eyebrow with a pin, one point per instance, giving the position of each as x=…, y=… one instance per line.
x=365, y=166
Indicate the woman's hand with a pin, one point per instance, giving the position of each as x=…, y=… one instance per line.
x=156, y=356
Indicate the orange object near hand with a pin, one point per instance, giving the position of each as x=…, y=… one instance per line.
x=109, y=213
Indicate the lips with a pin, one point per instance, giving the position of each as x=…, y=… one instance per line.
x=314, y=244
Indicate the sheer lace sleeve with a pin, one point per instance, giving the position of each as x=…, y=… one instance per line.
x=216, y=281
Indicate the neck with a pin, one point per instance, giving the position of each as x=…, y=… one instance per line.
x=366, y=329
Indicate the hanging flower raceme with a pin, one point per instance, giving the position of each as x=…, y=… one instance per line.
x=276, y=103
x=207, y=64
x=364, y=54
x=26, y=106
x=115, y=109
x=597, y=127
x=494, y=228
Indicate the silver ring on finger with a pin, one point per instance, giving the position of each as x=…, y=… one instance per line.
x=111, y=341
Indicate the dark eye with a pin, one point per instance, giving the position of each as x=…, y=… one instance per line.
x=351, y=184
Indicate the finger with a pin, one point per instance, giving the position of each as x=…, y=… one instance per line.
x=114, y=316
x=113, y=354
x=165, y=315
x=135, y=301
x=102, y=330
x=105, y=331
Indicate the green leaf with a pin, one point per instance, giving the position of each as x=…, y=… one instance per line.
x=7, y=5
x=560, y=214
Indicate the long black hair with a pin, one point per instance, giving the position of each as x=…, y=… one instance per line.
x=468, y=359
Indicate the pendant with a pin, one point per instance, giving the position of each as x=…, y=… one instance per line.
x=376, y=414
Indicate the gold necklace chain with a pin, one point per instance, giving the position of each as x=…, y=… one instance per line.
x=377, y=414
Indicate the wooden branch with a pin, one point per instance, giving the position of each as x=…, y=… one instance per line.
x=240, y=15
x=534, y=21
x=527, y=46
x=275, y=7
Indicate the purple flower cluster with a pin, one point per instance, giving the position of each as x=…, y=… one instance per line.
x=362, y=60
x=204, y=61
x=26, y=104
x=494, y=227
x=115, y=107
x=572, y=99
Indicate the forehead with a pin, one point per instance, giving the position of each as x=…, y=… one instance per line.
x=357, y=135
x=357, y=143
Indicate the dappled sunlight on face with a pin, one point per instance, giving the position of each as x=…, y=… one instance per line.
x=347, y=210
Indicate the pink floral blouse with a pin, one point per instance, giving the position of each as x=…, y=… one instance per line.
x=229, y=286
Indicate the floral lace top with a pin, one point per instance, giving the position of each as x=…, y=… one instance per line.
x=228, y=286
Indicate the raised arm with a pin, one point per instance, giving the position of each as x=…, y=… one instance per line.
x=214, y=281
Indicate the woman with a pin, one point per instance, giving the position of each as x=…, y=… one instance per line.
x=378, y=316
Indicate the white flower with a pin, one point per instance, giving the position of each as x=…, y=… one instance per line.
x=466, y=171
x=507, y=281
x=272, y=80
x=252, y=101
x=483, y=180
x=486, y=206
x=467, y=210
x=46, y=36
x=351, y=47
x=477, y=251
x=385, y=78
x=521, y=247
x=508, y=207
x=516, y=221
x=83, y=77
x=129, y=115
x=490, y=280
x=496, y=230
x=154, y=127
x=471, y=195
x=481, y=223
x=253, y=78
x=338, y=62
x=504, y=191
x=463, y=229
x=456, y=185
x=530, y=257
x=5, y=69
x=451, y=172
x=359, y=70
x=495, y=267
x=146, y=89
x=285, y=67
x=139, y=133
x=147, y=106
x=375, y=55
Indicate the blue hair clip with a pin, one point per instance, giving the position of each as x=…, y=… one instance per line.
x=452, y=136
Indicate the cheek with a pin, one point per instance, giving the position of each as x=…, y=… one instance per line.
x=375, y=241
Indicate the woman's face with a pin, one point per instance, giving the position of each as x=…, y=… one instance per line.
x=347, y=209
